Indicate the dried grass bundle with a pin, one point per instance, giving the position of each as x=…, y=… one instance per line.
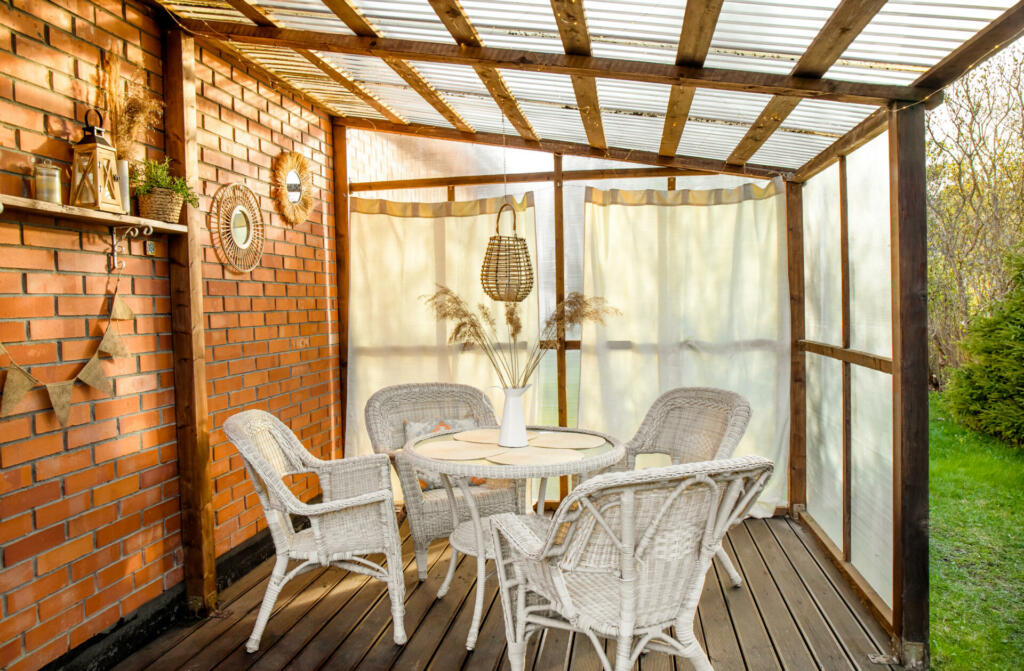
x=479, y=329
x=130, y=107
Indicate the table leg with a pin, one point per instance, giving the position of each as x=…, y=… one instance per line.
x=454, y=558
x=542, y=495
x=481, y=562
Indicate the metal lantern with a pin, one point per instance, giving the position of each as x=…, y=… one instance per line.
x=506, y=274
x=94, y=181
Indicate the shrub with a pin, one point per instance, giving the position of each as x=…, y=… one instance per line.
x=987, y=392
x=151, y=175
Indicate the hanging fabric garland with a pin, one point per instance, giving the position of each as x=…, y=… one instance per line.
x=19, y=381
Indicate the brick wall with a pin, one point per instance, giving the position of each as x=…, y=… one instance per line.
x=89, y=514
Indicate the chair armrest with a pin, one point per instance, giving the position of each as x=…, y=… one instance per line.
x=518, y=535
x=336, y=505
x=353, y=476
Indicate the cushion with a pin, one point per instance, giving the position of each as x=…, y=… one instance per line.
x=415, y=430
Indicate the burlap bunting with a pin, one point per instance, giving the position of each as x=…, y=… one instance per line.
x=112, y=343
x=16, y=385
x=60, y=399
x=120, y=310
x=92, y=374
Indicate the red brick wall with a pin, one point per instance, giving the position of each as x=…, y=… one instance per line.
x=89, y=515
x=272, y=334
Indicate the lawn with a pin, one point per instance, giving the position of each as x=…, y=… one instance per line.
x=977, y=548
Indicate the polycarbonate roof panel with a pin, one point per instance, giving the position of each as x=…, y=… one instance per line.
x=710, y=140
x=462, y=87
x=825, y=116
x=404, y=19
x=517, y=24
x=790, y=150
x=631, y=131
x=616, y=94
x=639, y=30
x=540, y=86
x=302, y=15
x=206, y=10
x=767, y=27
x=554, y=123
x=727, y=105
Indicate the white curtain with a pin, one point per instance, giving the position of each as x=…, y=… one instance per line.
x=400, y=252
x=700, y=278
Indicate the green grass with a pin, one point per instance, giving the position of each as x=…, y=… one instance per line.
x=977, y=548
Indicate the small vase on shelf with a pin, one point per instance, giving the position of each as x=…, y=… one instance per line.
x=124, y=184
x=513, y=421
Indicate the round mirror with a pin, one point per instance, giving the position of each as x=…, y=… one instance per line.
x=293, y=186
x=241, y=227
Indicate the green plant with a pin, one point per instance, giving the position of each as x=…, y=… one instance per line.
x=151, y=174
x=987, y=392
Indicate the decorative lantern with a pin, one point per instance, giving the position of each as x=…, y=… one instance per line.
x=506, y=274
x=94, y=181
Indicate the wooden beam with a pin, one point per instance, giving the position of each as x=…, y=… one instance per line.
x=537, y=61
x=524, y=177
x=352, y=85
x=254, y=14
x=458, y=24
x=357, y=23
x=571, y=20
x=797, y=360
x=858, y=136
x=847, y=373
x=560, y=356
x=842, y=27
x=187, y=332
x=699, y=21
x=341, y=239
x=854, y=356
x=986, y=43
x=567, y=148
x=909, y=382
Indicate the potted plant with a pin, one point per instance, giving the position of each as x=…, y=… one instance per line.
x=161, y=195
x=479, y=328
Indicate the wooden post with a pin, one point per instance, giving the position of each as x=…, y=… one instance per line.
x=671, y=183
x=797, y=365
x=563, y=400
x=341, y=238
x=451, y=193
x=847, y=372
x=909, y=383
x=188, y=333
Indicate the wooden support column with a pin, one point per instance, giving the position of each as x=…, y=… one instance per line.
x=797, y=365
x=847, y=371
x=909, y=383
x=341, y=238
x=188, y=332
x=563, y=400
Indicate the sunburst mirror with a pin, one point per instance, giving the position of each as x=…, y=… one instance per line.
x=238, y=227
x=293, y=185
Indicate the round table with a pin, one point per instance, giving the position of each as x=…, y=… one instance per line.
x=475, y=533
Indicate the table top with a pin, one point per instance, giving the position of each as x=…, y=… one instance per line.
x=594, y=458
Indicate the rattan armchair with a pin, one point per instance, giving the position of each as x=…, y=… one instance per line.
x=429, y=512
x=625, y=557
x=692, y=424
x=356, y=517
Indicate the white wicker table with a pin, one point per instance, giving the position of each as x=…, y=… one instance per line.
x=475, y=533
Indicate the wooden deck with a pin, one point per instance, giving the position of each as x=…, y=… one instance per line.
x=794, y=612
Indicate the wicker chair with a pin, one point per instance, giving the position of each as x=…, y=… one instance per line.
x=624, y=557
x=692, y=424
x=356, y=517
x=429, y=512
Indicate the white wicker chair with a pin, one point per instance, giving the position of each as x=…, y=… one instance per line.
x=625, y=557
x=429, y=512
x=356, y=517
x=692, y=424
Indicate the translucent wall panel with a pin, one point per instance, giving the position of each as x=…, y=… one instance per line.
x=823, y=296
x=867, y=180
x=825, y=444
x=871, y=482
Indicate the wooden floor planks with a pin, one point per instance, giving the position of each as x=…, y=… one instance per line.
x=794, y=611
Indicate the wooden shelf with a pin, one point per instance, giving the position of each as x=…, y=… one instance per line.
x=70, y=213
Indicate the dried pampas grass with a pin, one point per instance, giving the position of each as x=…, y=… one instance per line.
x=130, y=107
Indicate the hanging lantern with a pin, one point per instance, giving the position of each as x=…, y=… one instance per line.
x=94, y=171
x=506, y=274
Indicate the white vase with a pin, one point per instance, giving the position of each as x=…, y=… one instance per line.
x=513, y=422
x=123, y=181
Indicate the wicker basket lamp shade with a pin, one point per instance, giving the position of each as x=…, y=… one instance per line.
x=506, y=274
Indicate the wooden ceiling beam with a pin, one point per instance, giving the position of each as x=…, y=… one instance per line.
x=699, y=21
x=841, y=29
x=567, y=148
x=523, y=177
x=572, y=28
x=536, y=61
x=358, y=24
x=458, y=24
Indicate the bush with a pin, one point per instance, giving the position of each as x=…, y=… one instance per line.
x=987, y=392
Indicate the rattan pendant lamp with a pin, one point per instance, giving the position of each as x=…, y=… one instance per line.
x=506, y=274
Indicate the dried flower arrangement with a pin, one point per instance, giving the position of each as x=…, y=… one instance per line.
x=479, y=328
x=130, y=107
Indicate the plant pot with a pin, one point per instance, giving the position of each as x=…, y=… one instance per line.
x=162, y=205
x=513, y=422
x=123, y=183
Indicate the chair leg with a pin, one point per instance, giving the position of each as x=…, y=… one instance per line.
x=734, y=576
x=396, y=592
x=421, y=561
x=517, y=655
x=452, y=561
x=269, y=598
x=692, y=650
